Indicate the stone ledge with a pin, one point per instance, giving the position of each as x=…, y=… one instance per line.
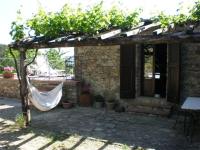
x=10, y=88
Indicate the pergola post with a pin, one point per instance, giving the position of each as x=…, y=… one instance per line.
x=23, y=87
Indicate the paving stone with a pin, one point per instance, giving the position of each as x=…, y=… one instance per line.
x=98, y=129
x=130, y=129
x=109, y=125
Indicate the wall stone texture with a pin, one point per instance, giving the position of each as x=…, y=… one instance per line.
x=190, y=70
x=99, y=66
x=10, y=88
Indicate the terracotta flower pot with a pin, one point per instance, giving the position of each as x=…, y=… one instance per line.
x=67, y=104
x=7, y=75
x=85, y=100
x=110, y=105
x=98, y=104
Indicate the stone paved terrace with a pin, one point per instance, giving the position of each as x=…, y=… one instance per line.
x=126, y=128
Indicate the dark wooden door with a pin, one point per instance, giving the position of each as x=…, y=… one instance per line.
x=160, y=69
x=173, y=73
x=149, y=87
x=127, y=71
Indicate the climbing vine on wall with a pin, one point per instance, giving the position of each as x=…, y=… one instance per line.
x=180, y=18
x=79, y=21
x=92, y=21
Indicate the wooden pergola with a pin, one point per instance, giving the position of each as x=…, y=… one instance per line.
x=145, y=33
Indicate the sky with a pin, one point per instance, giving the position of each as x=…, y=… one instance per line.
x=8, y=9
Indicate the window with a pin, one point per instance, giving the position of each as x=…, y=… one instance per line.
x=148, y=61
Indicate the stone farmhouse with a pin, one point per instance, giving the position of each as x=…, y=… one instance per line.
x=146, y=62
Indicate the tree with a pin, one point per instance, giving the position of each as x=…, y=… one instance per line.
x=56, y=61
x=6, y=58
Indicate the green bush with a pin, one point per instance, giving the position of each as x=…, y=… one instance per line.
x=99, y=98
x=20, y=120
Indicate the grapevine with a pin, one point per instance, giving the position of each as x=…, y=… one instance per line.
x=92, y=21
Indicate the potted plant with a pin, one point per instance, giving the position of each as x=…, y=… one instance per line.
x=110, y=103
x=67, y=104
x=85, y=96
x=110, y=100
x=99, y=101
x=8, y=72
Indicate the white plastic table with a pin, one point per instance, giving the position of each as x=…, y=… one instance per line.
x=192, y=107
x=191, y=103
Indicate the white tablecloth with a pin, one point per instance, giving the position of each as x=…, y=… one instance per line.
x=191, y=103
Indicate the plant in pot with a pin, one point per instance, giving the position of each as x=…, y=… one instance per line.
x=8, y=72
x=85, y=96
x=67, y=104
x=99, y=101
x=110, y=103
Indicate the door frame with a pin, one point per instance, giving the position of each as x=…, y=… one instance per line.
x=142, y=70
x=153, y=70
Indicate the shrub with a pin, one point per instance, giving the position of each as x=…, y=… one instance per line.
x=20, y=120
x=99, y=98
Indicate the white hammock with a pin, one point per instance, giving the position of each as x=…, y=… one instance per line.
x=45, y=101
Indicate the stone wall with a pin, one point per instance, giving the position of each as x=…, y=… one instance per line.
x=190, y=70
x=10, y=88
x=100, y=66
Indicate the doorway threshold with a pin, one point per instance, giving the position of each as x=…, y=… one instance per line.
x=149, y=105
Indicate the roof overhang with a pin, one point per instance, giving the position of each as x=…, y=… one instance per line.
x=150, y=33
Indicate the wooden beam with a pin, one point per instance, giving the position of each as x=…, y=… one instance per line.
x=135, y=30
x=23, y=87
x=176, y=37
x=132, y=32
x=153, y=25
x=99, y=42
x=110, y=34
x=160, y=31
x=141, y=29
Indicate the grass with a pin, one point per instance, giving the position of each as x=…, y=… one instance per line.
x=20, y=120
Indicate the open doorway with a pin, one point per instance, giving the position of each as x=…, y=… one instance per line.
x=154, y=70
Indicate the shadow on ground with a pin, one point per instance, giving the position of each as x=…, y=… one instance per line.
x=89, y=128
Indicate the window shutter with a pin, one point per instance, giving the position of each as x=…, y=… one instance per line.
x=173, y=77
x=127, y=71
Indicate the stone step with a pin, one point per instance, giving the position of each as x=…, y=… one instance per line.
x=149, y=110
x=148, y=101
x=156, y=105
